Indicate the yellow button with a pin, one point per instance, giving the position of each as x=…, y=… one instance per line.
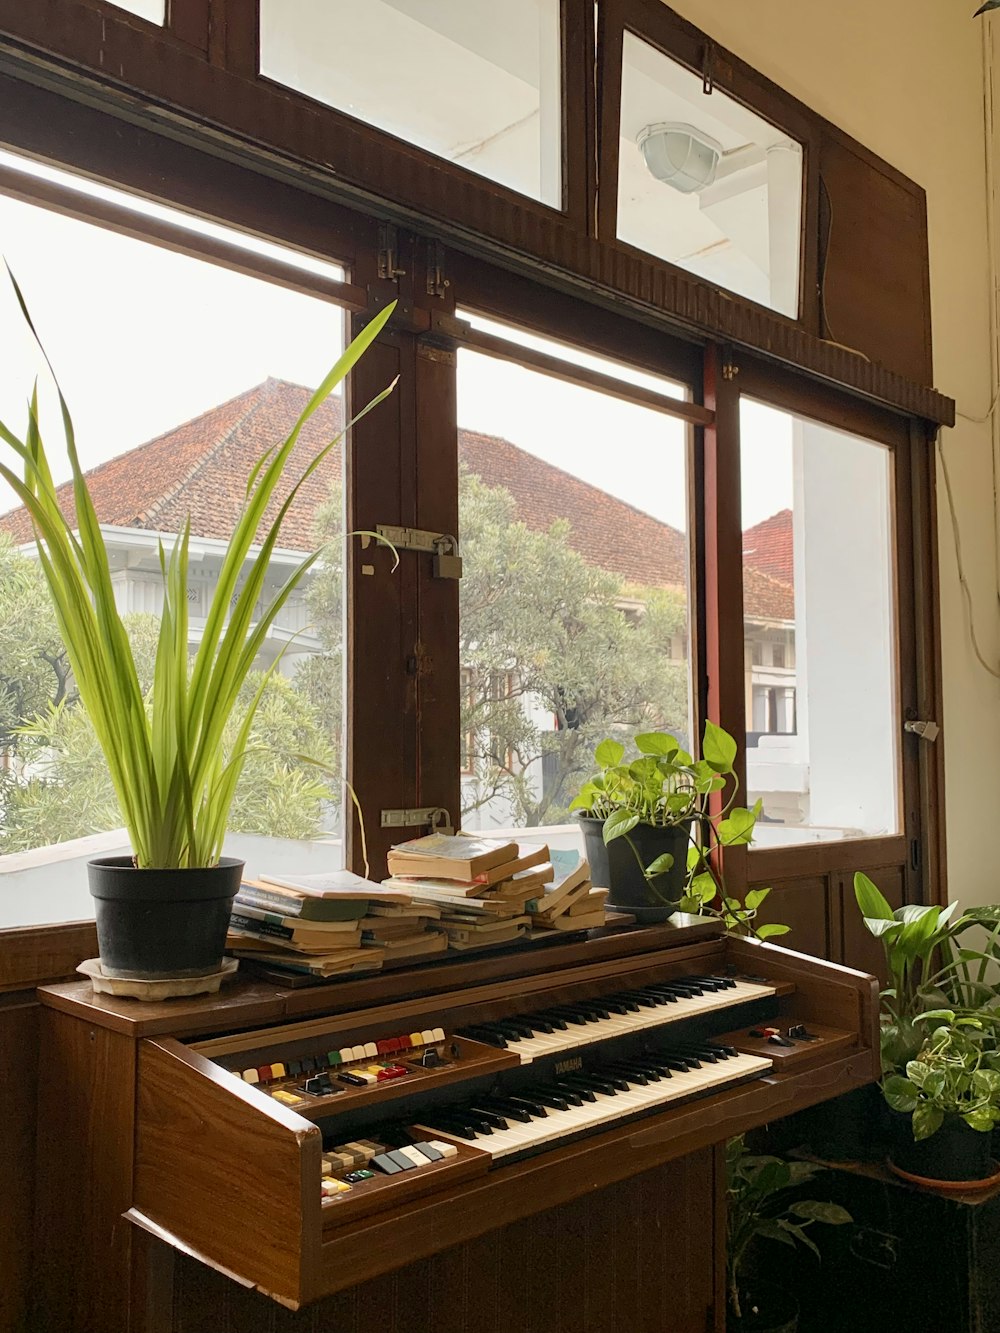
x=417, y=1038
x=289, y=1098
x=278, y=1071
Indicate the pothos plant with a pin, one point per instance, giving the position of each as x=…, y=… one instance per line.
x=954, y=1074
x=759, y=1203
x=666, y=787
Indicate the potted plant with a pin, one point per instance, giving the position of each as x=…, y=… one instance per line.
x=651, y=838
x=760, y=1206
x=163, y=912
x=948, y=1101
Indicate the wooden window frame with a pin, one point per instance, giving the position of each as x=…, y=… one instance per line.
x=662, y=29
x=419, y=689
x=179, y=82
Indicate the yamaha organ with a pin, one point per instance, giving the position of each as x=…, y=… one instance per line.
x=301, y=1142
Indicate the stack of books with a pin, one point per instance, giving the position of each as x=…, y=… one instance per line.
x=403, y=930
x=569, y=902
x=482, y=887
x=314, y=924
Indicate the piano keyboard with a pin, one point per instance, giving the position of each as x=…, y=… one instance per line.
x=506, y=1126
x=586, y=1022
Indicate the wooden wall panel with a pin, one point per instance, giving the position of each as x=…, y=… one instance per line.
x=19, y=1061
x=615, y=1261
x=874, y=265
x=803, y=904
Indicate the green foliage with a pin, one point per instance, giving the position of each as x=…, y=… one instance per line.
x=954, y=1073
x=69, y=792
x=665, y=787
x=34, y=669
x=544, y=632
x=759, y=1204
x=174, y=761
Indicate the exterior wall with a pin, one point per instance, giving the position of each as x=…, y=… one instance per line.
x=905, y=77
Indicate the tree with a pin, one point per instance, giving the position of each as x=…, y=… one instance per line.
x=34, y=670
x=546, y=636
x=64, y=790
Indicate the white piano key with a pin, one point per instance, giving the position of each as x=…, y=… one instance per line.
x=605, y=1110
x=586, y=1034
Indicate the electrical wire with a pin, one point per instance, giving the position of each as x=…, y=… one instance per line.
x=962, y=580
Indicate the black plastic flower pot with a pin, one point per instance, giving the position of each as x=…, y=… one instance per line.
x=617, y=867
x=764, y=1309
x=157, y=924
x=954, y=1152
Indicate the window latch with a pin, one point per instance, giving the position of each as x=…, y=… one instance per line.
x=926, y=730
x=434, y=817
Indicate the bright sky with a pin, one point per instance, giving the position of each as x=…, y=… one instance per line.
x=144, y=339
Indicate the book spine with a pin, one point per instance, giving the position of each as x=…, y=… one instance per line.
x=269, y=902
x=255, y=926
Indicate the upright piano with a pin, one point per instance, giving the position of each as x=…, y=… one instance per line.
x=526, y=1140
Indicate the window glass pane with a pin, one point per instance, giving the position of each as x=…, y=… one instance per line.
x=818, y=604
x=574, y=620
x=706, y=183
x=473, y=82
x=179, y=374
x=154, y=10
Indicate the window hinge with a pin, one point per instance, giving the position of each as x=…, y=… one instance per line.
x=434, y=816
x=437, y=283
x=388, y=252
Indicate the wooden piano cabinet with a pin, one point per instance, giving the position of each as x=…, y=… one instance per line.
x=633, y=1257
x=177, y=1197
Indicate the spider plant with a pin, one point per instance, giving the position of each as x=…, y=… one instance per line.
x=173, y=779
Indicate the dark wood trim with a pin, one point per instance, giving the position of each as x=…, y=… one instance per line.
x=579, y=167
x=33, y=955
x=234, y=36
x=610, y=36
x=352, y=162
x=723, y=528
x=188, y=21
x=819, y=858
x=502, y=349
x=126, y=222
x=929, y=679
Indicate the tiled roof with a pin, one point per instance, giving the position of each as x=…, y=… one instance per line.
x=200, y=469
x=768, y=547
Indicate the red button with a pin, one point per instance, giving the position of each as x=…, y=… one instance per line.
x=405, y=1044
x=383, y=1047
x=264, y=1074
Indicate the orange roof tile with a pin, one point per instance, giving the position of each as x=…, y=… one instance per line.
x=200, y=469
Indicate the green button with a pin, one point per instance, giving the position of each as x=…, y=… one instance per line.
x=333, y=1057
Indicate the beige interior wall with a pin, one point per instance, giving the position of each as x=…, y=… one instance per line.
x=905, y=77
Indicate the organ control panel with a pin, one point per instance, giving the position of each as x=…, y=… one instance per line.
x=296, y=1140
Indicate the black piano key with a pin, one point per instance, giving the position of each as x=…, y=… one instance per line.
x=593, y=1083
x=492, y=1118
x=698, y=1053
x=539, y=1024
x=676, y=1064
x=596, y=1007
x=509, y=1029
x=558, y=1024
x=640, y=1066
x=585, y=1093
x=709, y=983
x=451, y=1122
x=554, y=1100
x=645, y=999
x=488, y=1035
x=534, y=1107
x=510, y=1110
x=479, y=1122
x=628, y=1073
x=667, y=996
x=629, y=1005
x=563, y=1093
x=570, y=1015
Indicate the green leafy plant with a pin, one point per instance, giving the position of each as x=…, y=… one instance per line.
x=173, y=774
x=759, y=1205
x=665, y=787
x=953, y=1074
x=932, y=964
